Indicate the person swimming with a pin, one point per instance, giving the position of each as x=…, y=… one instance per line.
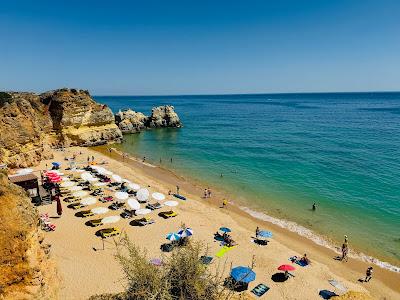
x=314, y=206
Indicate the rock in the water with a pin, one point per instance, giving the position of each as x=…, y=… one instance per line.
x=163, y=116
x=130, y=121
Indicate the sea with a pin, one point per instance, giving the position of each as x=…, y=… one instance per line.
x=277, y=154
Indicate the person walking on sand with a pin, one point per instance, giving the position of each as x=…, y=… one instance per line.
x=345, y=251
x=177, y=189
x=92, y=158
x=88, y=160
x=224, y=203
x=209, y=193
x=257, y=231
x=368, y=274
x=205, y=193
x=59, y=207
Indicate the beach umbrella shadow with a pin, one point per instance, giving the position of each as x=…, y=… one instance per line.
x=278, y=277
x=325, y=294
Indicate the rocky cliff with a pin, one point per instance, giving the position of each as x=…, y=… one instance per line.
x=25, y=129
x=30, y=124
x=26, y=272
x=79, y=120
x=130, y=121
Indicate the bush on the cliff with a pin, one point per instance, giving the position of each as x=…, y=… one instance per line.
x=5, y=98
x=181, y=276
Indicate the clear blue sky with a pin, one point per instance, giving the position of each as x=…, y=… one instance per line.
x=195, y=47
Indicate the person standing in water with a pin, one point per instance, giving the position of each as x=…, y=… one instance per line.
x=314, y=207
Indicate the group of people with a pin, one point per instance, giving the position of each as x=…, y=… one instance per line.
x=207, y=193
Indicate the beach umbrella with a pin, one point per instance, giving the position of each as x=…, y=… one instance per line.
x=93, y=179
x=185, y=232
x=88, y=201
x=143, y=211
x=225, y=229
x=116, y=178
x=158, y=196
x=173, y=236
x=133, y=203
x=142, y=194
x=156, y=261
x=243, y=274
x=264, y=234
x=99, y=210
x=24, y=171
x=286, y=268
x=108, y=173
x=60, y=174
x=80, y=194
x=76, y=188
x=171, y=203
x=56, y=179
x=126, y=180
x=134, y=186
x=100, y=184
x=86, y=176
x=79, y=170
x=110, y=219
x=67, y=184
x=121, y=195
x=56, y=164
x=65, y=178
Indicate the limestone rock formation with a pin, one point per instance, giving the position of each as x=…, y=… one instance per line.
x=25, y=130
x=26, y=271
x=79, y=120
x=163, y=116
x=130, y=121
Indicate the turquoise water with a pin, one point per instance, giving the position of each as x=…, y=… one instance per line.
x=279, y=153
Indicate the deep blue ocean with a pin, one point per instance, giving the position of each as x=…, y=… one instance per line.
x=279, y=153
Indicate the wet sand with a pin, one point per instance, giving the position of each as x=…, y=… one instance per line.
x=86, y=271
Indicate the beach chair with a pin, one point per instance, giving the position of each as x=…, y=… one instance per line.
x=76, y=206
x=95, y=222
x=116, y=206
x=127, y=214
x=106, y=199
x=206, y=260
x=168, y=214
x=154, y=206
x=86, y=213
x=108, y=232
x=144, y=221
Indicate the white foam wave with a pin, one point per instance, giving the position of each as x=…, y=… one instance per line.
x=319, y=240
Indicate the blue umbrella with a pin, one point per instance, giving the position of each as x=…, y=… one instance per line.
x=56, y=164
x=185, y=232
x=173, y=236
x=264, y=234
x=225, y=229
x=243, y=274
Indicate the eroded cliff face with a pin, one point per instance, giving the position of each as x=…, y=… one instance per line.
x=30, y=124
x=26, y=271
x=25, y=130
x=79, y=120
x=130, y=121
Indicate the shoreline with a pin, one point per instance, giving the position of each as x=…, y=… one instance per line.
x=255, y=213
x=74, y=244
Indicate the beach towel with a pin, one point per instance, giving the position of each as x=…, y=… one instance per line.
x=260, y=290
x=223, y=250
x=301, y=263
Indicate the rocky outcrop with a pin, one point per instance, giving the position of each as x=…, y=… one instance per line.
x=130, y=121
x=79, y=120
x=26, y=271
x=25, y=130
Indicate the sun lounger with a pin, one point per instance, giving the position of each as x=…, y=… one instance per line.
x=168, y=214
x=260, y=290
x=223, y=250
x=144, y=221
x=127, y=214
x=108, y=232
x=76, y=206
x=206, y=260
x=179, y=196
x=95, y=222
x=86, y=213
x=116, y=206
x=71, y=199
x=153, y=206
x=106, y=199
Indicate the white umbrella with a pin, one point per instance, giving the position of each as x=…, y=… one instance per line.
x=110, y=219
x=126, y=180
x=143, y=211
x=134, y=186
x=121, y=195
x=86, y=176
x=100, y=184
x=76, y=188
x=142, y=194
x=65, y=178
x=171, y=203
x=99, y=210
x=158, y=196
x=67, y=184
x=24, y=171
x=88, y=201
x=106, y=172
x=116, y=178
x=59, y=173
x=80, y=194
x=92, y=179
x=79, y=170
x=133, y=203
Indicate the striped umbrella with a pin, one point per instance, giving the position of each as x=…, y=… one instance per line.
x=185, y=232
x=173, y=236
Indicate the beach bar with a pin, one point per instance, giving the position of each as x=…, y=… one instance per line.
x=29, y=182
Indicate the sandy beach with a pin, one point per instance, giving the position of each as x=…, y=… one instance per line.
x=87, y=269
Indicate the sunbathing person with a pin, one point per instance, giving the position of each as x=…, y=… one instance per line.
x=305, y=260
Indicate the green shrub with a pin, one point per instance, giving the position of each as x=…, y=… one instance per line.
x=5, y=97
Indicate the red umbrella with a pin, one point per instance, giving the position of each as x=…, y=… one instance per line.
x=286, y=268
x=56, y=179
